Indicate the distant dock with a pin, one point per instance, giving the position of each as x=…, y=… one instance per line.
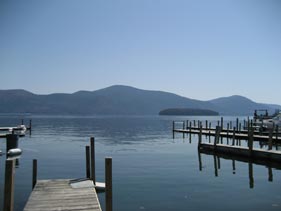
x=233, y=140
x=19, y=130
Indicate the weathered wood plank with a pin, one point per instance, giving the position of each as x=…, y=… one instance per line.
x=56, y=195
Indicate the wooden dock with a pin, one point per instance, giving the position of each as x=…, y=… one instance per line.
x=234, y=147
x=51, y=195
x=230, y=132
x=63, y=194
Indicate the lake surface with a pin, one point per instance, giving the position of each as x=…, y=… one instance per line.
x=151, y=170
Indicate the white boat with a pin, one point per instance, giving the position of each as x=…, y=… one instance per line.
x=273, y=122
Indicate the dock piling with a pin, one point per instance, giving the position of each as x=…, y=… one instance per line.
x=200, y=136
x=88, y=173
x=270, y=139
x=9, y=186
x=34, y=173
x=93, y=162
x=108, y=184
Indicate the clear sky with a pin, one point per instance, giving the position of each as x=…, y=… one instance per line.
x=197, y=49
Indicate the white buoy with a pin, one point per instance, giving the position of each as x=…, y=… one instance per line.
x=14, y=152
x=100, y=186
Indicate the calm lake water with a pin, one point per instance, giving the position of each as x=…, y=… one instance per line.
x=151, y=170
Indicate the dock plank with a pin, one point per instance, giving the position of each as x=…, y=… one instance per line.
x=58, y=195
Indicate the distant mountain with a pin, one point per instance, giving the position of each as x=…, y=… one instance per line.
x=119, y=100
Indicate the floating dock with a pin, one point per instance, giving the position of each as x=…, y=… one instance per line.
x=49, y=195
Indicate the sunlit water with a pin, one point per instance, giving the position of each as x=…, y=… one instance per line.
x=151, y=170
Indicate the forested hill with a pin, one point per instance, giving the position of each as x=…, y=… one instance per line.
x=119, y=100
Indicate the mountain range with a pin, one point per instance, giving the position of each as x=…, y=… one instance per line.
x=120, y=100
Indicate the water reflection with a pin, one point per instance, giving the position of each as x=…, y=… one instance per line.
x=234, y=158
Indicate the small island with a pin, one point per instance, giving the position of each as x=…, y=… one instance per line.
x=188, y=112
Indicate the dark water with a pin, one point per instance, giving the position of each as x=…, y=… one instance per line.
x=151, y=171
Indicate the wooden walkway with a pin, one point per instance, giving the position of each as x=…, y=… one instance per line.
x=59, y=195
x=229, y=134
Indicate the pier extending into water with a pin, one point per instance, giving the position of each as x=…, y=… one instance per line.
x=19, y=130
x=233, y=143
x=63, y=194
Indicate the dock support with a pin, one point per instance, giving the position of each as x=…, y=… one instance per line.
x=34, y=173
x=217, y=136
x=270, y=139
x=222, y=122
x=9, y=186
x=233, y=137
x=88, y=173
x=251, y=140
x=200, y=136
x=108, y=184
x=11, y=141
x=93, y=162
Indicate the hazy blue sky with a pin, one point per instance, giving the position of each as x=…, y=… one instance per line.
x=198, y=49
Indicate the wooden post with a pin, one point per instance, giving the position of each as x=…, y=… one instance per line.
x=22, y=122
x=11, y=141
x=194, y=123
x=222, y=123
x=244, y=124
x=240, y=127
x=34, y=173
x=200, y=136
x=206, y=124
x=251, y=140
x=93, y=160
x=88, y=173
x=233, y=136
x=198, y=124
x=190, y=127
x=108, y=184
x=230, y=124
x=227, y=132
x=186, y=124
x=270, y=139
x=218, y=123
x=237, y=123
x=217, y=136
x=210, y=125
x=9, y=186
